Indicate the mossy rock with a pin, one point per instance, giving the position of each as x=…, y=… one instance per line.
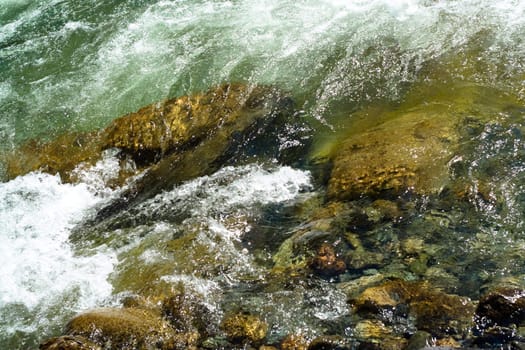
x=389, y=149
x=181, y=123
x=409, y=152
x=127, y=328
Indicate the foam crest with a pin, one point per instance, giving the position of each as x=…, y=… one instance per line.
x=236, y=187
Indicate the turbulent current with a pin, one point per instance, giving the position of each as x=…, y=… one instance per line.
x=77, y=65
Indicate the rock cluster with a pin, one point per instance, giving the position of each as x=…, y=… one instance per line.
x=386, y=237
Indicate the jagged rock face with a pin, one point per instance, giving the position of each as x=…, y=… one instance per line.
x=408, y=152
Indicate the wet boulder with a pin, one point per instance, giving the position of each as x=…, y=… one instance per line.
x=60, y=156
x=227, y=121
x=181, y=123
x=247, y=128
x=127, y=328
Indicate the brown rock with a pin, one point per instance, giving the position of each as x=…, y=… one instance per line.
x=249, y=118
x=244, y=328
x=207, y=119
x=179, y=123
x=294, y=342
x=60, y=156
x=501, y=307
x=327, y=263
x=373, y=334
x=407, y=151
x=327, y=342
x=361, y=259
x=186, y=313
x=127, y=328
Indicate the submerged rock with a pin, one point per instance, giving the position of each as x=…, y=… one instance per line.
x=436, y=312
x=326, y=263
x=294, y=342
x=127, y=328
x=408, y=151
x=244, y=328
x=68, y=342
x=330, y=342
x=374, y=334
x=501, y=307
x=186, y=313
x=390, y=149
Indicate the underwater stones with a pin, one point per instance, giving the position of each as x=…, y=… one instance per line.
x=326, y=263
x=68, y=342
x=330, y=342
x=375, y=334
x=407, y=152
x=361, y=259
x=433, y=311
x=126, y=328
x=294, y=342
x=186, y=313
x=244, y=328
x=355, y=287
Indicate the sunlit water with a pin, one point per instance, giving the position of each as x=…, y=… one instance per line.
x=70, y=65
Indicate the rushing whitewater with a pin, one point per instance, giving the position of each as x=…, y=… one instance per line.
x=39, y=270
x=75, y=66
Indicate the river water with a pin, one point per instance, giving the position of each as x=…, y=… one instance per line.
x=76, y=65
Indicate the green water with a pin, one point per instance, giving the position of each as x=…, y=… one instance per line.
x=70, y=65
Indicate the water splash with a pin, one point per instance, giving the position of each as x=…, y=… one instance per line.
x=39, y=271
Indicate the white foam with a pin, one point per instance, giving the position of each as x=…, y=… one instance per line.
x=38, y=267
x=237, y=187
